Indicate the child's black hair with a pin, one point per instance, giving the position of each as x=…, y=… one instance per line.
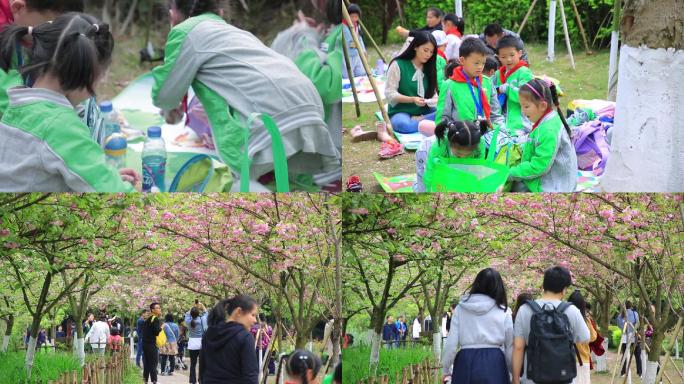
x=59, y=6
x=491, y=64
x=457, y=21
x=301, y=361
x=493, y=29
x=436, y=12
x=462, y=133
x=354, y=8
x=430, y=67
x=75, y=47
x=472, y=45
x=450, y=67
x=508, y=42
x=224, y=308
x=190, y=8
x=334, y=11
x=548, y=93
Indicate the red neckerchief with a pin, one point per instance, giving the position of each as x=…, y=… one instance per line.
x=454, y=31
x=356, y=25
x=459, y=78
x=440, y=52
x=503, y=75
x=548, y=111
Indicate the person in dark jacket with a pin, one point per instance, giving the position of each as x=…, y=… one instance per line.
x=389, y=333
x=150, y=330
x=228, y=354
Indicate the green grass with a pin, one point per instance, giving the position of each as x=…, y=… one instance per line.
x=356, y=367
x=47, y=366
x=588, y=81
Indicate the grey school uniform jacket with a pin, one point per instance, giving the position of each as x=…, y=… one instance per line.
x=234, y=75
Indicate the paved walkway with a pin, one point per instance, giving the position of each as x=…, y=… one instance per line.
x=179, y=377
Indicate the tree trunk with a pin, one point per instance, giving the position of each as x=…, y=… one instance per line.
x=375, y=348
x=33, y=340
x=602, y=361
x=437, y=344
x=9, y=322
x=129, y=18
x=640, y=123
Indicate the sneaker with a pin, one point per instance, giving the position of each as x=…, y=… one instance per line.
x=354, y=184
x=390, y=149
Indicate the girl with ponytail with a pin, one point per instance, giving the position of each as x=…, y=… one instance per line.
x=45, y=146
x=549, y=161
x=454, y=138
x=303, y=367
x=228, y=347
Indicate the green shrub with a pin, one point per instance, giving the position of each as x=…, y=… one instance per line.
x=356, y=366
x=614, y=339
x=46, y=367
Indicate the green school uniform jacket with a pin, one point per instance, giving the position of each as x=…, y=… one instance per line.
x=514, y=116
x=549, y=161
x=456, y=101
x=235, y=75
x=442, y=150
x=45, y=147
x=441, y=66
x=10, y=79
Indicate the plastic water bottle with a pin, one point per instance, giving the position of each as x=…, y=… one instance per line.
x=380, y=68
x=111, y=119
x=154, y=161
x=115, y=150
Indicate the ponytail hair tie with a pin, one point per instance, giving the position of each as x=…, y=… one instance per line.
x=97, y=28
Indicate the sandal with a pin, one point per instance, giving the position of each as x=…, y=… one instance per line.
x=390, y=149
x=382, y=133
x=358, y=134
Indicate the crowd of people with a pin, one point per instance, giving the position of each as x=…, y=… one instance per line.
x=227, y=343
x=487, y=340
x=474, y=97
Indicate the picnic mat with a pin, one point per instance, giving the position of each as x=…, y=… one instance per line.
x=396, y=184
x=363, y=89
x=594, y=104
x=586, y=182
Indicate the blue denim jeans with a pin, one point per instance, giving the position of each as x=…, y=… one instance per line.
x=402, y=122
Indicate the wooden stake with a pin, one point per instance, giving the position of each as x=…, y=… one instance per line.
x=369, y=72
x=350, y=74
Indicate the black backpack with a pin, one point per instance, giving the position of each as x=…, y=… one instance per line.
x=550, y=348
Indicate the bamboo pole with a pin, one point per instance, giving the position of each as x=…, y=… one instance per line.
x=669, y=344
x=567, y=35
x=350, y=74
x=527, y=16
x=365, y=31
x=621, y=361
x=385, y=117
x=581, y=28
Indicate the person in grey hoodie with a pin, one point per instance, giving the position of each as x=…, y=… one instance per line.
x=480, y=340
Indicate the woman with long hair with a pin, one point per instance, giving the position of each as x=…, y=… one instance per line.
x=482, y=328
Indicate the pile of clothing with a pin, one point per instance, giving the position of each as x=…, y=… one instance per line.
x=591, y=135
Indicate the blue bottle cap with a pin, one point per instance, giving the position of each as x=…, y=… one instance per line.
x=106, y=107
x=115, y=145
x=154, y=132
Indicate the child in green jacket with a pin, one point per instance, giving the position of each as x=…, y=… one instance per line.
x=45, y=147
x=508, y=79
x=234, y=75
x=455, y=139
x=30, y=13
x=549, y=161
x=467, y=95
